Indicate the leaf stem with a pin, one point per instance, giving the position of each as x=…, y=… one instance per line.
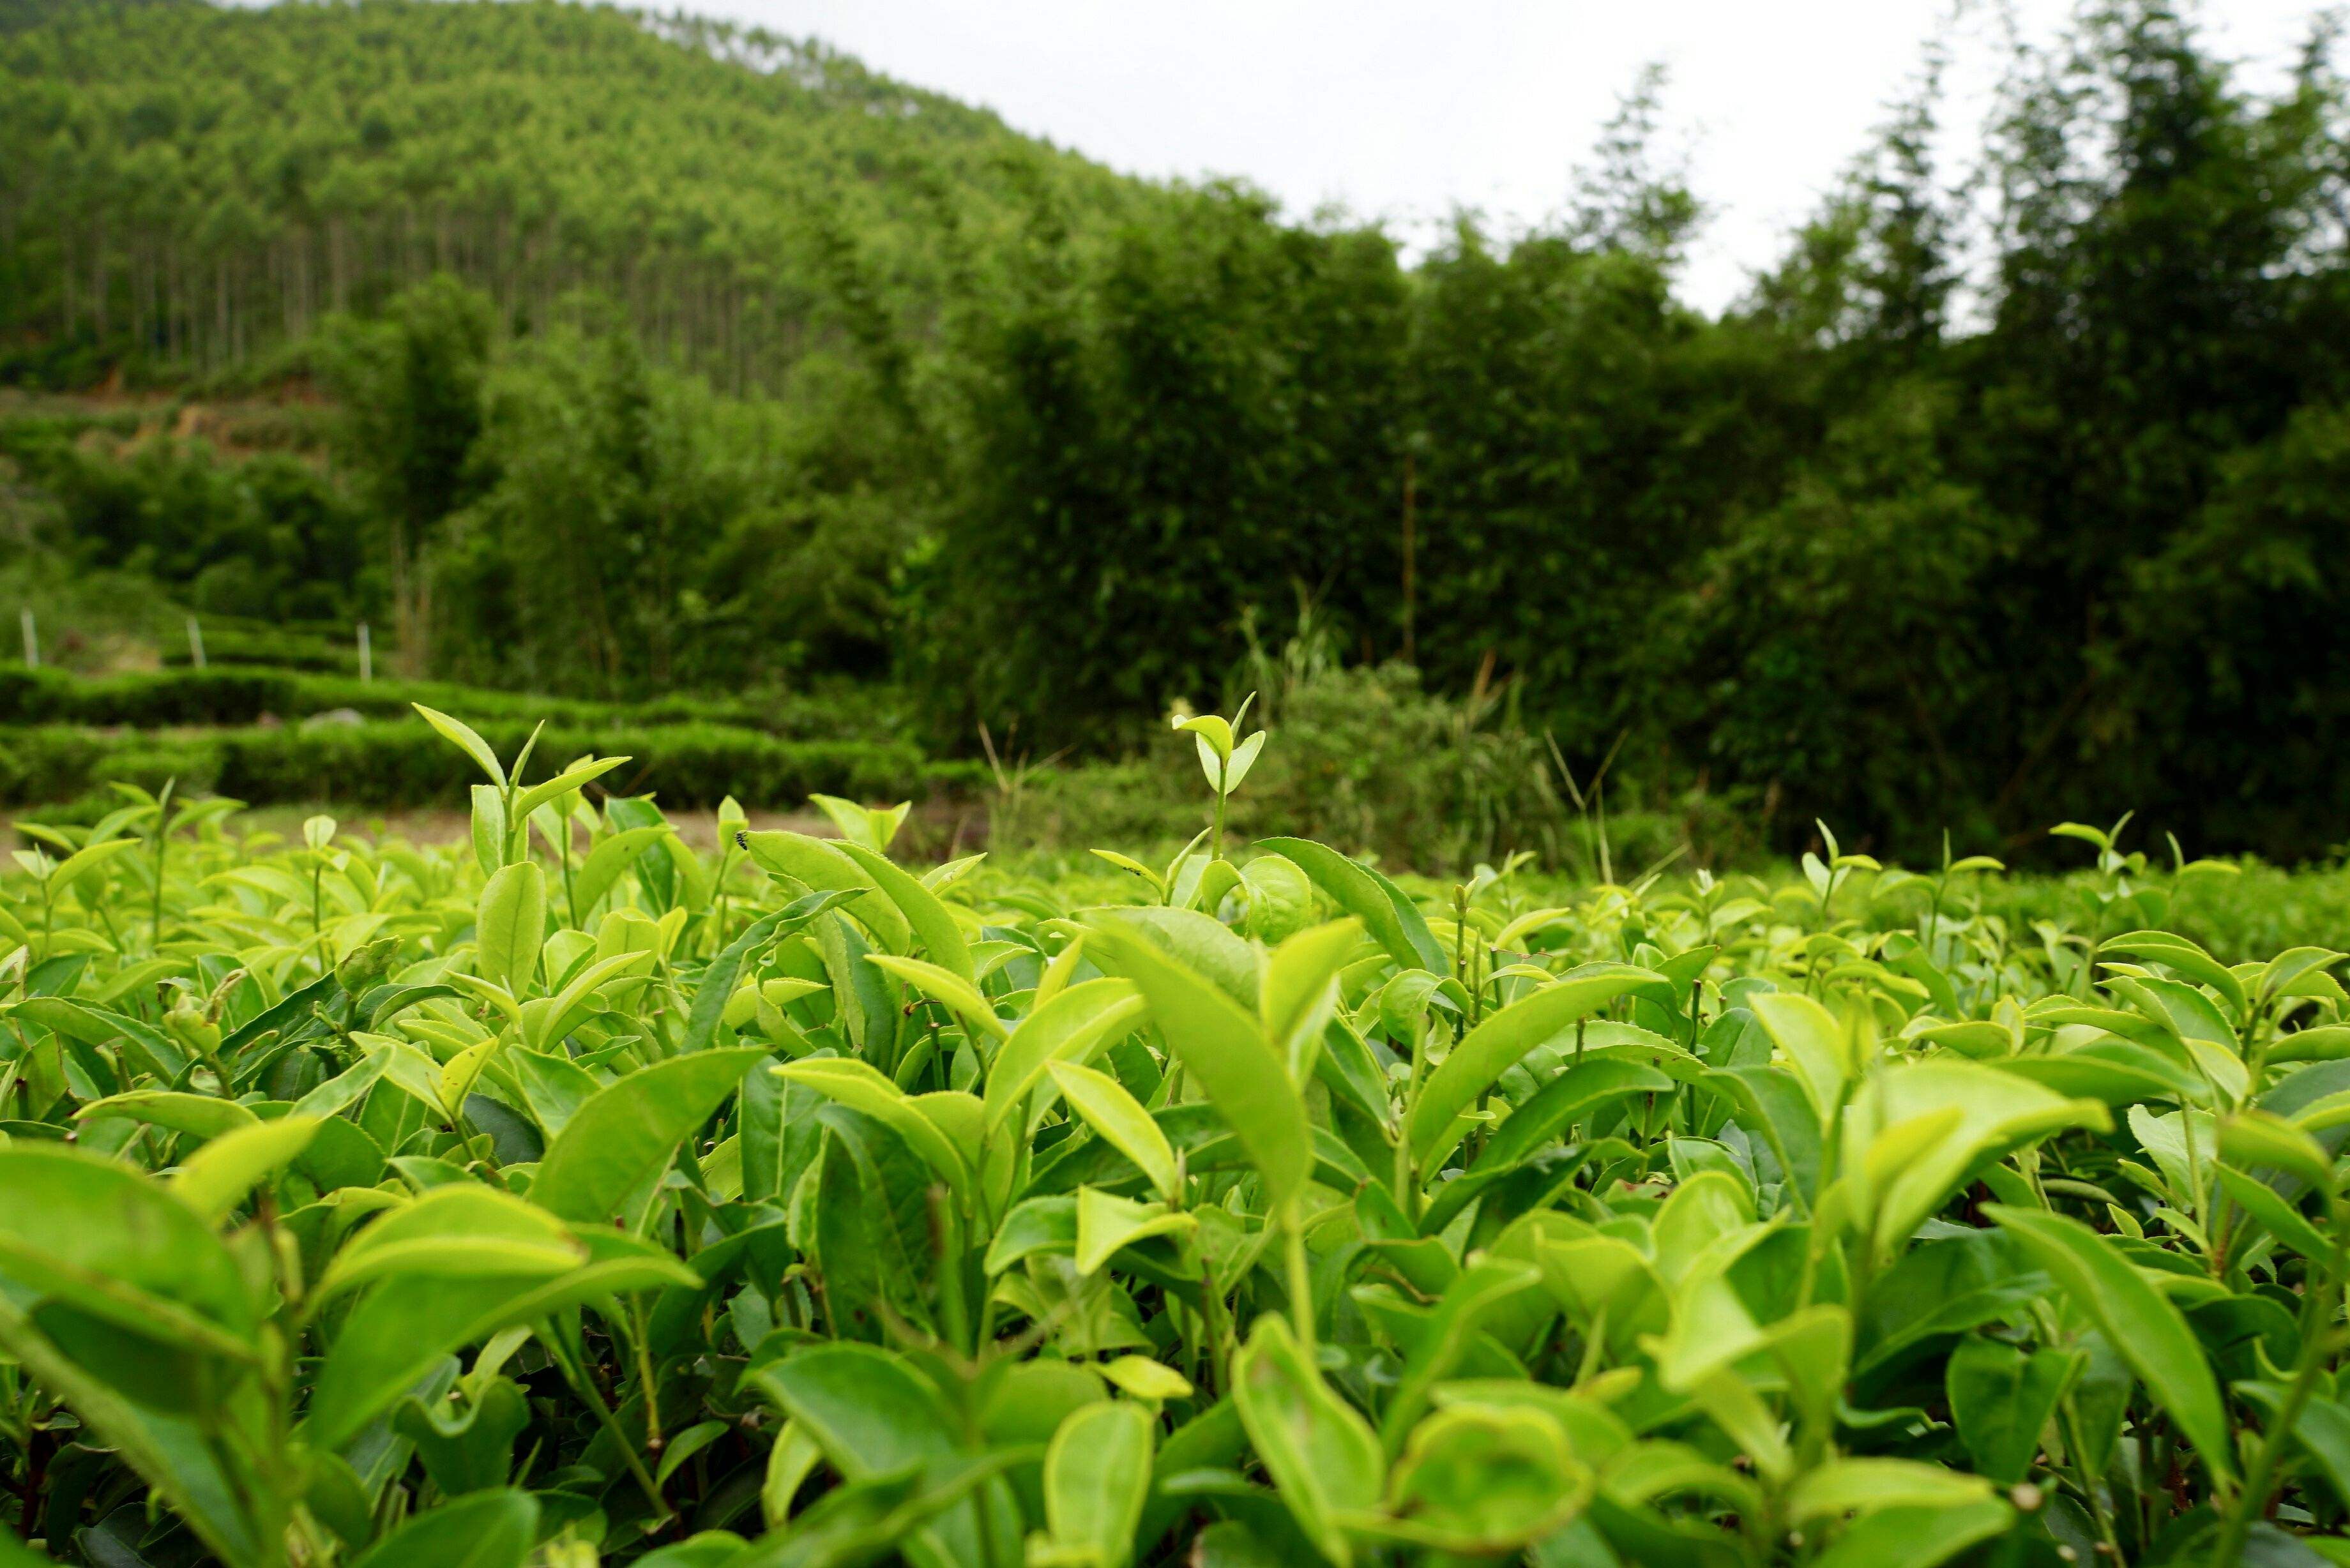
x=641, y=1333
x=585, y=1386
x=2076, y=1460
x=2317, y=1313
x=1300, y=1279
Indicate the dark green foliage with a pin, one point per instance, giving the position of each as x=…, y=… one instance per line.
x=1187, y=422
x=1832, y=555
x=2243, y=619
x=411, y=388
x=1815, y=668
x=231, y=695
x=638, y=534
x=246, y=646
x=218, y=180
x=402, y=764
x=792, y=372
x=265, y=534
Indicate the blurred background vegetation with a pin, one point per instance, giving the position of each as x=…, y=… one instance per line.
x=807, y=430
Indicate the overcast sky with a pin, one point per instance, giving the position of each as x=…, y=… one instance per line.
x=1403, y=110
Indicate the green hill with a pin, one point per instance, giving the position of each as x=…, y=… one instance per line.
x=186, y=186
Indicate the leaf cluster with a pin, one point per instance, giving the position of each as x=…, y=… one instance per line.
x=573, y=1196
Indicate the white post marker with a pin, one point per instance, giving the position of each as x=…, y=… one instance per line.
x=32, y=638
x=367, y=656
x=195, y=642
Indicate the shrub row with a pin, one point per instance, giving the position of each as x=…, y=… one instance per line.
x=1364, y=759
x=397, y=764
x=234, y=694
x=291, y=647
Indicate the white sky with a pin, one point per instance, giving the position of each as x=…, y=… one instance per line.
x=1403, y=110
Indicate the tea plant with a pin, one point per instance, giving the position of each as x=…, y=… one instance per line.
x=571, y=1196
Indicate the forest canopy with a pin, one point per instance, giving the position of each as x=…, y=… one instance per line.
x=668, y=355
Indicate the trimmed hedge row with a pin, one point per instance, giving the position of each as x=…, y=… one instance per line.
x=288, y=647
x=246, y=695
x=403, y=763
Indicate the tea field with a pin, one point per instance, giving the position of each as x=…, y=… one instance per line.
x=568, y=1193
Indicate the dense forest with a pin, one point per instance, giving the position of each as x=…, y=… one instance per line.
x=660, y=354
x=197, y=186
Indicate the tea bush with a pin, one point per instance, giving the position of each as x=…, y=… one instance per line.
x=251, y=694
x=572, y=1196
x=1366, y=759
x=393, y=765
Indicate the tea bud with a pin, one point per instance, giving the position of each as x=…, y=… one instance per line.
x=186, y=1023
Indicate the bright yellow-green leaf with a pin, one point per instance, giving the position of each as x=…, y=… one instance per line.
x=1221, y=1044
x=861, y=1086
x=466, y=740
x=219, y=1176
x=510, y=924
x=1116, y=1115
x=1322, y=1457
x=1097, y=1477
x=1106, y=1223
x=932, y=926
x=1146, y=1379
x=1072, y=1025
x=824, y=868
x=945, y=987
x=1844, y=1486
x=1500, y=1042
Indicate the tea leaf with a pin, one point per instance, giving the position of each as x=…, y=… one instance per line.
x=826, y=868
x=628, y=1129
x=2136, y=1321
x=1324, y=1457
x=1484, y=1480
x=944, y=986
x=563, y=784
x=1096, y=1475
x=487, y=1530
x=1389, y=917
x=1071, y=1027
x=862, y=1088
x=221, y=1174
x=2002, y=1399
x=510, y=924
x=1219, y=1043
x=461, y=736
x=1498, y=1042
x=1111, y=1111
x=928, y=918
x=1865, y=1485
x=1106, y=1223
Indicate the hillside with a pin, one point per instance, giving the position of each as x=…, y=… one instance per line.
x=184, y=186
x=685, y=359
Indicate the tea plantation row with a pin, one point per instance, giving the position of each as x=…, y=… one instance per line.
x=571, y=1196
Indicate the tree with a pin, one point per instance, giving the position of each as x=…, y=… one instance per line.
x=410, y=390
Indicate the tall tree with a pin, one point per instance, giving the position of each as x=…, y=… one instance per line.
x=410, y=390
